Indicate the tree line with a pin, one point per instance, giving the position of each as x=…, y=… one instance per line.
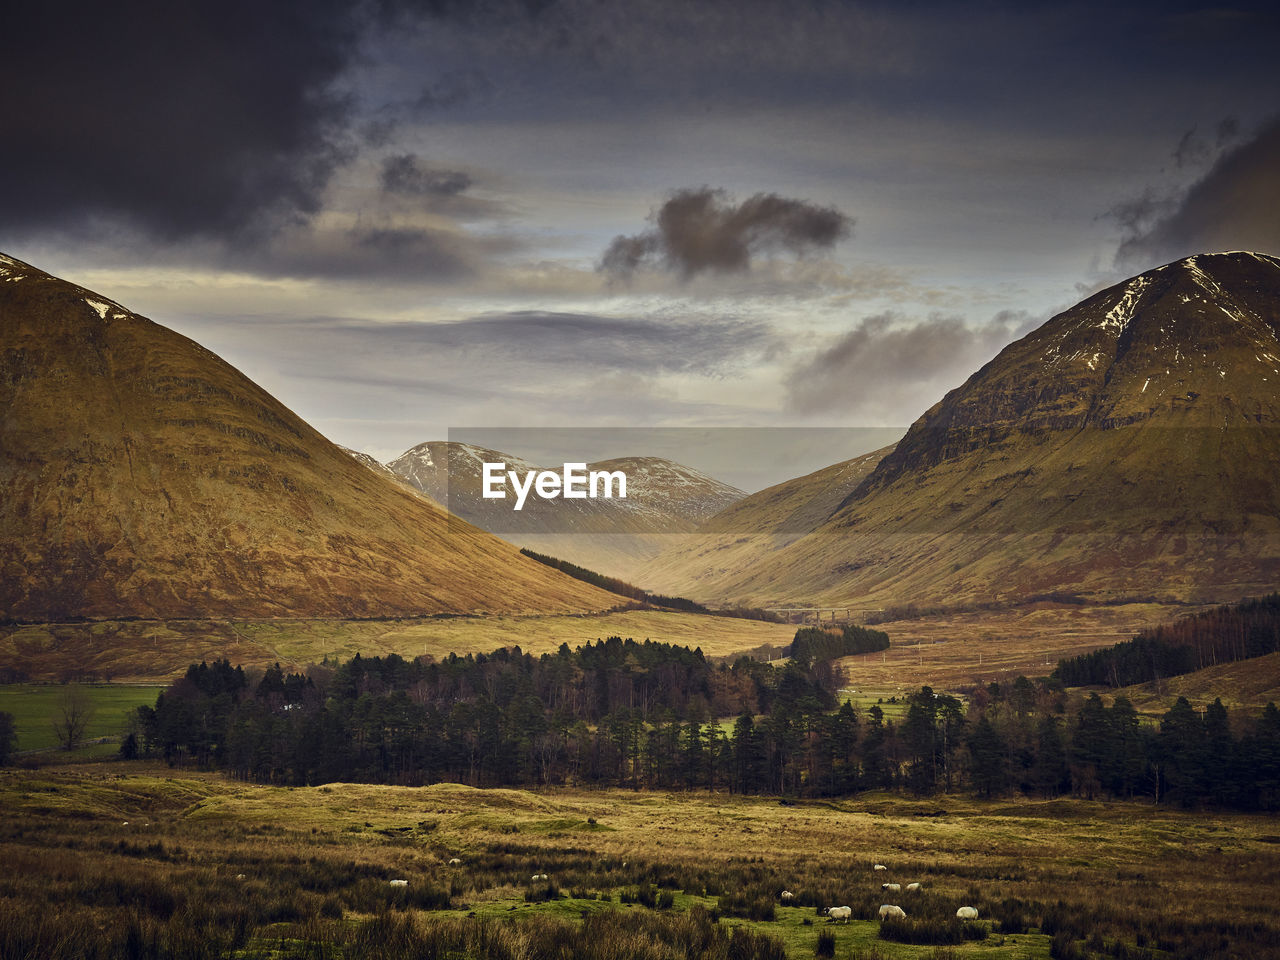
x=651, y=715
x=614, y=584
x=1222, y=635
x=821, y=643
x=644, y=597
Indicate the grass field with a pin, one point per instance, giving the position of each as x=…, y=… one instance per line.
x=1246, y=684
x=256, y=871
x=954, y=650
x=35, y=705
x=141, y=650
x=944, y=651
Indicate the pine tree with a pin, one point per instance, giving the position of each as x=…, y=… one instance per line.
x=988, y=759
x=1182, y=748
x=877, y=769
x=1050, y=774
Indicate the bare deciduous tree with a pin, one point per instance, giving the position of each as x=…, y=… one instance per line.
x=75, y=710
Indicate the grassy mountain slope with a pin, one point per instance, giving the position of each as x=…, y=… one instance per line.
x=1125, y=449
x=747, y=532
x=142, y=476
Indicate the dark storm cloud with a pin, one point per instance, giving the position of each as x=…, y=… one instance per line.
x=177, y=120
x=889, y=363
x=404, y=175
x=1233, y=207
x=704, y=230
x=406, y=181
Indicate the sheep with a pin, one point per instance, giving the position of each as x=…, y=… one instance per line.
x=967, y=913
x=913, y=887
x=787, y=895
x=538, y=876
x=888, y=910
x=239, y=876
x=891, y=887
x=399, y=884
x=879, y=866
x=455, y=862
x=838, y=913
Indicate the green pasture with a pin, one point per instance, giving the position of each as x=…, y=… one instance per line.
x=35, y=706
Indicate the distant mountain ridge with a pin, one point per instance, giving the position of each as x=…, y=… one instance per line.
x=1126, y=448
x=610, y=535
x=142, y=476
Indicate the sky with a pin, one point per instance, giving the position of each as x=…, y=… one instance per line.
x=407, y=218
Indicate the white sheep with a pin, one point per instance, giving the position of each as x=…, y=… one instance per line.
x=891, y=887
x=913, y=887
x=879, y=866
x=787, y=895
x=889, y=910
x=967, y=913
x=839, y=913
x=399, y=884
x=538, y=876
x=455, y=862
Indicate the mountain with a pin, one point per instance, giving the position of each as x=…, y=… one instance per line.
x=1128, y=448
x=749, y=530
x=142, y=476
x=382, y=470
x=372, y=463
x=610, y=535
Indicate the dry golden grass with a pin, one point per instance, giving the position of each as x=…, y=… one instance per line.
x=140, y=650
x=1129, y=867
x=1245, y=684
x=145, y=476
x=952, y=651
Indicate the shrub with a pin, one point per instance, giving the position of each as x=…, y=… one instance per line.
x=1064, y=947
x=749, y=904
x=923, y=931
x=542, y=892
x=1010, y=915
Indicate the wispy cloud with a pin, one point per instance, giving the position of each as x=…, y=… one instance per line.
x=892, y=368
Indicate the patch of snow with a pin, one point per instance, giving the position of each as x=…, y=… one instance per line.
x=11, y=276
x=1144, y=385
x=1221, y=299
x=1123, y=310
x=99, y=306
